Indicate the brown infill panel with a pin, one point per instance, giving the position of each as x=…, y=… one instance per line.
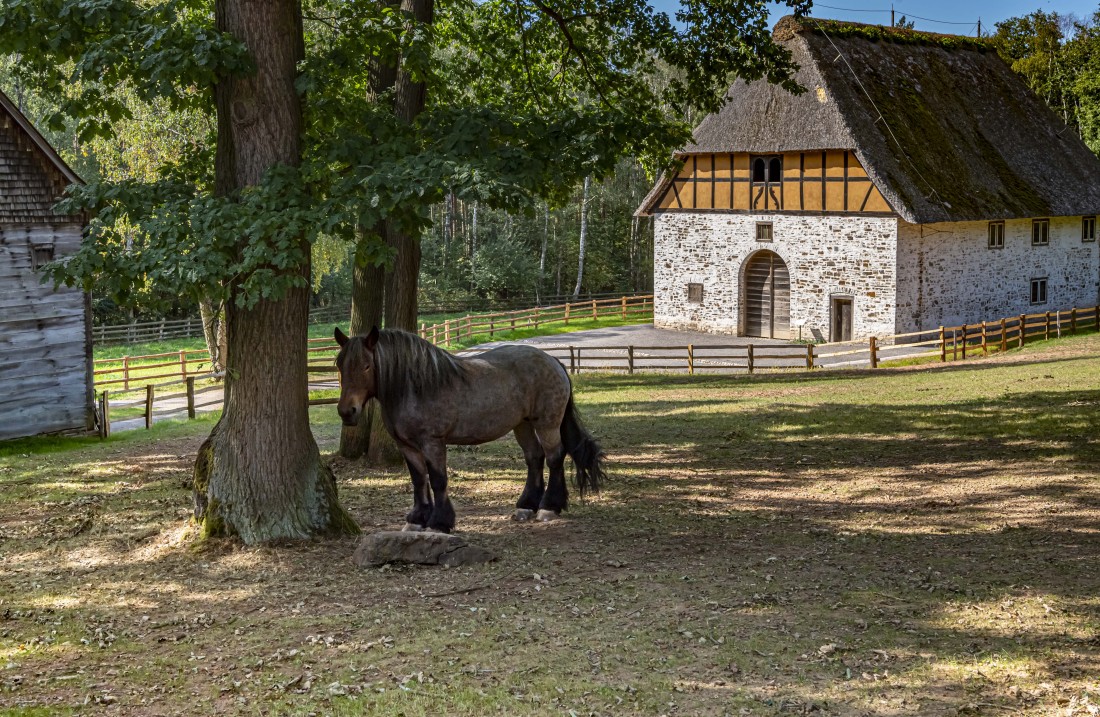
x=876, y=203
x=741, y=166
x=722, y=166
x=792, y=166
x=792, y=191
x=703, y=195
x=741, y=195
x=855, y=169
x=703, y=166
x=834, y=164
x=722, y=195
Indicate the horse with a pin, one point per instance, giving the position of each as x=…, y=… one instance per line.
x=430, y=399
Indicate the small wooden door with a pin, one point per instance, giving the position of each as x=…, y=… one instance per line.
x=842, y=319
x=767, y=297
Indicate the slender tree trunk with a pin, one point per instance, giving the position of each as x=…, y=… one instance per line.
x=259, y=475
x=584, y=237
x=560, y=260
x=542, y=254
x=212, y=324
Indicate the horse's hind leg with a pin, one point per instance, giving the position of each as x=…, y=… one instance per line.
x=417, y=518
x=556, y=497
x=533, y=454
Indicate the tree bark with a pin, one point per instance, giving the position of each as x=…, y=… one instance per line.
x=259, y=475
x=366, y=312
x=584, y=237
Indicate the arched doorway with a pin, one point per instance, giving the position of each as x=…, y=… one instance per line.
x=767, y=296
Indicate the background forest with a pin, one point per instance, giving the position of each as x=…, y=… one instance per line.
x=474, y=255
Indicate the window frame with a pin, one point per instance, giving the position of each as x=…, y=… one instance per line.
x=37, y=262
x=1040, y=232
x=770, y=227
x=1088, y=228
x=694, y=292
x=996, y=235
x=1040, y=283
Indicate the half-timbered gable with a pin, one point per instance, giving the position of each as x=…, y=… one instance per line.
x=897, y=192
x=45, y=343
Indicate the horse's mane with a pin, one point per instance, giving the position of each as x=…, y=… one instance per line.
x=407, y=363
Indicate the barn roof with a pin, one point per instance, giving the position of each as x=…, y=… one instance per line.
x=946, y=129
x=32, y=175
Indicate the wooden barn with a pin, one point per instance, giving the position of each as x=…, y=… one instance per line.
x=917, y=182
x=45, y=333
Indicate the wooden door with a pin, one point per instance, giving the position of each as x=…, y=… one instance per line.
x=842, y=320
x=767, y=297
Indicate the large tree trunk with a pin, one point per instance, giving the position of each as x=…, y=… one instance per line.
x=259, y=475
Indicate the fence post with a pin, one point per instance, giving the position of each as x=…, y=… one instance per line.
x=536, y=317
x=1073, y=320
x=125, y=373
x=1004, y=336
x=447, y=332
x=624, y=308
x=183, y=363
x=809, y=357
x=469, y=329
x=105, y=403
x=492, y=327
x=160, y=335
x=149, y=406
x=1023, y=329
x=985, y=347
x=943, y=345
x=691, y=359
x=1096, y=317
x=568, y=306
x=595, y=312
x=872, y=345
x=748, y=355
x=1046, y=327
x=572, y=361
x=423, y=330
x=190, y=396
x=964, y=328
x=630, y=359
x=435, y=335
x=1058, y=323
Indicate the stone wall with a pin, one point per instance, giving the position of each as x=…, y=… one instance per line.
x=826, y=256
x=948, y=275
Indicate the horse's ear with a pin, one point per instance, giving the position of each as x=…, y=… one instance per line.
x=372, y=338
x=340, y=336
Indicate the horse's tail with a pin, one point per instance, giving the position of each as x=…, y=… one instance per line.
x=583, y=449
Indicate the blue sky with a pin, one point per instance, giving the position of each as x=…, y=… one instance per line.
x=966, y=13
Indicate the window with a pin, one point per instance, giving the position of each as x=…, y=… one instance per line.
x=42, y=254
x=695, y=293
x=1088, y=228
x=1040, y=232
x=1039, y=291
x=775, y=170
x=996, y=235
x=759, y=173
x=763, y=231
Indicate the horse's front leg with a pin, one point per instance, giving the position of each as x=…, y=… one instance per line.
x=443, y=513
x=417, y=518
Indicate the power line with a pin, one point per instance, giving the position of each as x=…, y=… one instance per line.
x=905, y=15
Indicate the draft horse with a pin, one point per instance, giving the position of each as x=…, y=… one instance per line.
x=431, y=399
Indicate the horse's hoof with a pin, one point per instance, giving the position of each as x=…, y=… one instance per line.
x=412, y=528
x=545, y=516
x=523, y=515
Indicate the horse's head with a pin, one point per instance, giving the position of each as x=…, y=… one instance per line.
x=355, y=362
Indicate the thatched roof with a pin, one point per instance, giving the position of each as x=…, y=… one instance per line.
x=947, y=131
x=32, y=174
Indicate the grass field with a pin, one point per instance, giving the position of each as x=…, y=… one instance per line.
x=912, y=541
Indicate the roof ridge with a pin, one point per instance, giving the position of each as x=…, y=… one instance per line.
x=39, y=141
x=792, y=25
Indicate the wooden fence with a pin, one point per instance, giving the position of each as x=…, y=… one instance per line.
x=944, y=343
x=456, y=331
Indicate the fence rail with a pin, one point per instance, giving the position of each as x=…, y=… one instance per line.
x=944, y=343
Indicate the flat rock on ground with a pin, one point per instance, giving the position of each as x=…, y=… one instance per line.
x=423, y=548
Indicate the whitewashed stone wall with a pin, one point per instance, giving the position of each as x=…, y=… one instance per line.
x=948, y=275
x=826, y=256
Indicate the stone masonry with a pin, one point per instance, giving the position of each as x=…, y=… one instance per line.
x=948, y=275
x=826, y=256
